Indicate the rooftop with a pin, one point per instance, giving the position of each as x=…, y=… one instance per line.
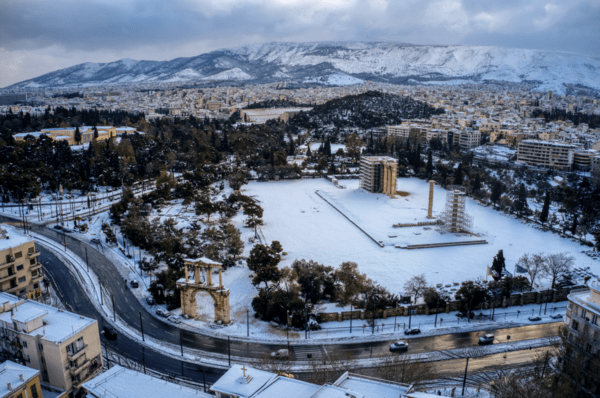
x=370, y=387
x=242, y=382
x=121, y=382
x=14, y=375
x=15, y=238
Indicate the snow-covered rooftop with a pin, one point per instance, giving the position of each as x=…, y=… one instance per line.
x=233, y=381
x=15, y=238
x=121, y=382
x=289, y=388
x=10, y=375
x=371, y=388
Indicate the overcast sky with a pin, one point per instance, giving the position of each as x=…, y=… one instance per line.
x=40, y=36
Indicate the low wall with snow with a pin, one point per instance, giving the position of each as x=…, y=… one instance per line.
x=514, y=300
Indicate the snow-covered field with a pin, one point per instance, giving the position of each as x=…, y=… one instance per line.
x=309, y=228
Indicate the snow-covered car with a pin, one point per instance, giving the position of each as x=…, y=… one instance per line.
x=134, y=284
x=534, y=318
x=486, y=339
x=109, y=332
x=557, y=316
x=412, y=331
x=174, y=319
x=67, y=230
x=281, y=354
x=162, y=312
x=399, y=346
x=96, y=240
x=150, y=300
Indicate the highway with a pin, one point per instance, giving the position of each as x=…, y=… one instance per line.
x=129, y=308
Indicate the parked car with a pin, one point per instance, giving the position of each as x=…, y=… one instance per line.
x=96, y=241
x=59, y=227
x=557, y=316
x=134, y=284
x=534, y=318
x=67, y=230
x=399, y=346
x=162, y=312
x=281, y=354
x=412, y=331
x=109, y=332
x=150, y=300
x=486, y=339
x=174, y=319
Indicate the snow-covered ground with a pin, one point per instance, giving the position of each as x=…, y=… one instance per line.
x=309, y=228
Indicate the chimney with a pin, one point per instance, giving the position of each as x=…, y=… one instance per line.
x=9, y=387
x=21, y=377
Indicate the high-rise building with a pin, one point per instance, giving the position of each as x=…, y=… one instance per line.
x=546, y=154
x=378, y=174
x=20, y=272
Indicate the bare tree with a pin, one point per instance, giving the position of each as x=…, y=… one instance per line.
x=557, y=265
x=416, y=285
x=534, y=264
x=401, y=369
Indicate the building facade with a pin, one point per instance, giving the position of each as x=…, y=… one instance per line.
x=63, y=346
x=582, y=349
x=378, y=174
x=546, y=154
x=20, y=271
x=595, y=170
x=469, y=139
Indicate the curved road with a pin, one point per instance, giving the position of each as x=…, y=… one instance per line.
x=129, y=308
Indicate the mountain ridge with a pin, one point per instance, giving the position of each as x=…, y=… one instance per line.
x=340, y=63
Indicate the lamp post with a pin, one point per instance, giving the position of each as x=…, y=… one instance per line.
x=437, y=304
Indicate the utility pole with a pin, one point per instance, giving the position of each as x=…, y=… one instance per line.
x=350, y=317
x=142, y=326
x=248, y=323
x=86, y=260
x=541, y=304
x=181, y=342
x=436, y=309
x=409, y=315
x=465, y=378
x=469, y=314
x=144, y=358
x=229, y=349
x=114, y=309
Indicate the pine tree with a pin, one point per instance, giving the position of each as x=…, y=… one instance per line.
x=520, y=204
x=477, y=183
x=308, y=152
x=458, y=175
x=499, y=263
x=327, y=148
x=497, y=191
x=77, y=136
x=429, y=166
x=545, y=209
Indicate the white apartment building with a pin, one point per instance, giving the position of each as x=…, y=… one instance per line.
x=469, y=139
x=63, y=346
x=410, y=129
x=547, y=154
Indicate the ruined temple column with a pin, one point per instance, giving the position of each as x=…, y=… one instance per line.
x=187, y=278
x=220, y=278
x=209, y=276
x=430, y=208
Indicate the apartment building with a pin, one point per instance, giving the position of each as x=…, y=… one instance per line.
x=546, y=154
x=20, y=271
x=63, y=346
x=18, y=381
x=414, y=130
x=582, y=159
x=582, y=349
x=378, y=174
x=469, y=139
x=595, y=170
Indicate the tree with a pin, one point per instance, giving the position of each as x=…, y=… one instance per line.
x=429, y=166
x=351, y=282
x=315, y=280
x=545, y=208
x=558, y=264
x=206, y=205
x=95, y=133
x=77, y=136
x=353, y=146
x=254, y=213
x=498, y=264
x=416, y=285
x=431, y=296
x=477, y=183
x=263, y=262
x=497, y=190
x=471, y=294
x=520, y=205
x=401, y=369
x=534, y=265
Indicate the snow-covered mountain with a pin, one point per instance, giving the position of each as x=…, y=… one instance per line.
x=340, y=63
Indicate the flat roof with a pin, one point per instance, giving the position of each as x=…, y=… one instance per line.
x=372, y=388
x=288, y=388
x=121, y=382
x=234, y=382
x=15, y=238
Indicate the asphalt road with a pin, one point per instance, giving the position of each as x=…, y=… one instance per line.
x=129, y=309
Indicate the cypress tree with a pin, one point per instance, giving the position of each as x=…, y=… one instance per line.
x=77, y=136
x=545, y=209
x=499, y=263
x=429, y=164
x=95, y=133
x=497, y=191
x=574, y=225
x=477, y=183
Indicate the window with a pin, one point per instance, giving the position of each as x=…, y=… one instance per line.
x=595, y=319
x=41, y=347
x=19, y=267
x=34, y=393
x=32, y=261
x=36, y=285
x=575, y=325
x=30, y=250
x=18, y=254
x=24, y=344
x=22, y=279
x=583, y=313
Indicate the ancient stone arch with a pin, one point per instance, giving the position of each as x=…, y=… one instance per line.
x=190, y=286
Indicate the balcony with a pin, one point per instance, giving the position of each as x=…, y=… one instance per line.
x=35, y=266
x=6, y=264
x=76, y=370
x=77, y=354
x=34, y=254
x=7, y=277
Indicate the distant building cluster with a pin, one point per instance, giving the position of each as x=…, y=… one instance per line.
x=68, y=134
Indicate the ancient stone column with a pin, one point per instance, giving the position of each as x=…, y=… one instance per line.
x=430, y=208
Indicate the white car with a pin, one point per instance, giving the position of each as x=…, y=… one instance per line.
x=174, y=319
x=162, y=312
x=281, y=354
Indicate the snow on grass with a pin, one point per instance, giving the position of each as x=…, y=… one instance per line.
x=309, y=228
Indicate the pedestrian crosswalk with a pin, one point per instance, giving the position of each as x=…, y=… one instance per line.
x=305, y=352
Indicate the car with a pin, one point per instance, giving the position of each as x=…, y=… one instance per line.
x=486, y=339
x=134, y=284
x=174, y=319
x=96, y=241
x=59, y=227
x=162, y=312
x=67, y=230
x=534, y=318
x=399, y=346
x=150, y=300
x=412, y=331
x=109, y=332
x=557, y=316
x=281, y=354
